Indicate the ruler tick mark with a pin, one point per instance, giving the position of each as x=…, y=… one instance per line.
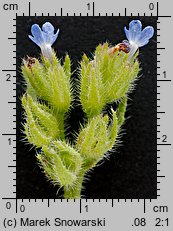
x=125, y=12
x=144, y=206
x=93, y=8
x=29, y=8
x=80, y=202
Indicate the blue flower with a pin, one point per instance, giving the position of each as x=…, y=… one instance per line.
x=44, y=38
x=136, y=36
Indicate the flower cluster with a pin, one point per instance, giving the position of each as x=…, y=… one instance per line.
x=136, y=37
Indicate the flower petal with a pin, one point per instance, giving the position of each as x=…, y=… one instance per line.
x=46, y=37
x=146, y=34
x=135, y=27
x=48, y=33
x=54, y=37
x=37, y=34
x=48, y=28
x=33, y=39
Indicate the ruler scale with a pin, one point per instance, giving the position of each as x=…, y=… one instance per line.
x=103, y=214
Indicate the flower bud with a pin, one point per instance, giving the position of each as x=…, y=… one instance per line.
x=61, y=163
x=50, y=81
x=97, y=137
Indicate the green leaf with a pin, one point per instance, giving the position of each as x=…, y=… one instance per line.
x=92, y=93
x=121, y=111
x=67, y=66
x=70, y=157
x=41, y=125
x=55, y=169
x=92, y=139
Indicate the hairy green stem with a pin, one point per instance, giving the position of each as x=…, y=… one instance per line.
x=74, y=192
x=60, y=119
